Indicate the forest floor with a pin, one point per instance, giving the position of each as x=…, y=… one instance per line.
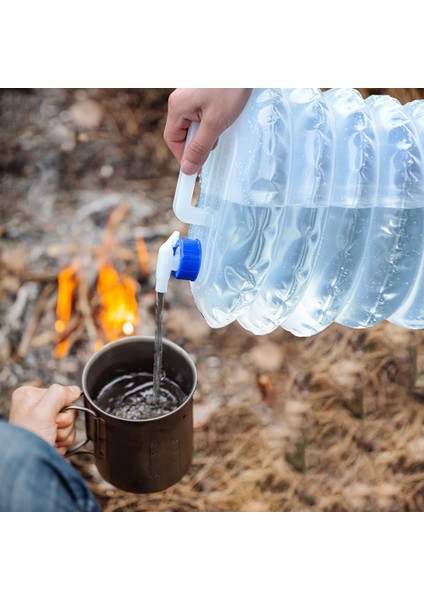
x=334, y=422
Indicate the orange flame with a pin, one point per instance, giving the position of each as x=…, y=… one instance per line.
x=62, y=348
x=119, y=313
x=67, y=282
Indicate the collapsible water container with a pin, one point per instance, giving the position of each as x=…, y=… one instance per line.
x=310, y=211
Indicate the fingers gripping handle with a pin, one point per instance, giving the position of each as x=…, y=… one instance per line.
x=74, y=449
x=183, y=208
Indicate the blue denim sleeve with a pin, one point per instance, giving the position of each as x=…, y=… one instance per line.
x=34, y=477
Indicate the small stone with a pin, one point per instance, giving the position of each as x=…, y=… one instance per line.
x=106, y=171
x=87, y=114
x=267, y=356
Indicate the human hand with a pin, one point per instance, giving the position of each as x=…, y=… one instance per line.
x=215, y=109
x=38, y=410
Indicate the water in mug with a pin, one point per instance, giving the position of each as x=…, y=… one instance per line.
x=131, y=396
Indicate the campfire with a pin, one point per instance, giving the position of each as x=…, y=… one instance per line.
x=108, y=310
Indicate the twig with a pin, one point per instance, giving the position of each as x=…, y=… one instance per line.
x=40, y=306
x=84, y=304
x=38, y=276
x=19, y=305
x=35, y=317
x=63, y=349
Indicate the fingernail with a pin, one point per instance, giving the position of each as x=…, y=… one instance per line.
x=188, y=167
x=75, y=390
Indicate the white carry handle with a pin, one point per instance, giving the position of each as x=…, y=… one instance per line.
x=183, y=208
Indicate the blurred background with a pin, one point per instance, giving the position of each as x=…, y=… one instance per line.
x=329, y=423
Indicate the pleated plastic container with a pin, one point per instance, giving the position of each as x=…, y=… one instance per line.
x=311, y=211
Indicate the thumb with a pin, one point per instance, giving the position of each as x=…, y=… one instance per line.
x=73, y=393
x=56, y=398
x=199, y=148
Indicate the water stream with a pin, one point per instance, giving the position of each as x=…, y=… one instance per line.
x=157, y=361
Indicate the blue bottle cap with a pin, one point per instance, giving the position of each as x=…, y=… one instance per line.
x=190, y=254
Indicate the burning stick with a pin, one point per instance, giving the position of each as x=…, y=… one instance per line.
x=109, y=241
x=143, y=258
x=119, y=313
x=84, y=304
x=63, y=347
x=116, y=302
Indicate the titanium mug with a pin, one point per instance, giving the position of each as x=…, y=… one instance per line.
x=140, y=456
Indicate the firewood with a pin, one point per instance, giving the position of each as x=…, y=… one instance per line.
x=84, y=305
x=40, y=306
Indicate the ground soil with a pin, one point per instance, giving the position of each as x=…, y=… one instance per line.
x=329, y=423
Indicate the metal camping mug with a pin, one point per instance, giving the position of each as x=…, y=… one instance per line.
x=139, y=456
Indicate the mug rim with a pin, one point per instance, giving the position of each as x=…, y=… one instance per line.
x=124, y=341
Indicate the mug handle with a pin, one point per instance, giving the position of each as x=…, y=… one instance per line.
x=74, y=449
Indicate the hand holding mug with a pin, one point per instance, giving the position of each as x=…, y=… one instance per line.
x=38, y=410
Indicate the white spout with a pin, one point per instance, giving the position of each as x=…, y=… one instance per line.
x=166, y=262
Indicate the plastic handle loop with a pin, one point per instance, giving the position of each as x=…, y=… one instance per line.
x=183, y=208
